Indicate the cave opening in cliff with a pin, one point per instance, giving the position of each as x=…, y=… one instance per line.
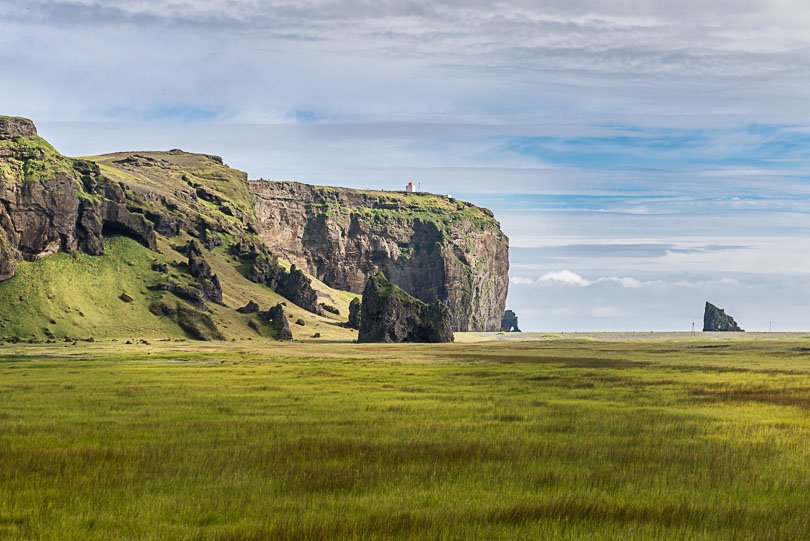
x=117, y=229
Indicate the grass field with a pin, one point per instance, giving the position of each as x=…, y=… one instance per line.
x=672, y=438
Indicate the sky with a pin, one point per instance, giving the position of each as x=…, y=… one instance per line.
x=643, y=156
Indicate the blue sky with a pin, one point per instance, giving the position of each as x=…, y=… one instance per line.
x=643, y=157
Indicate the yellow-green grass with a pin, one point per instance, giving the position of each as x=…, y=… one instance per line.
x=169, y=173
x=79, y=296
x=238, y=290
x=563, y=439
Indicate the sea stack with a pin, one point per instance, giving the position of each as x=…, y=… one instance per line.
x=716, y=320
x=509, y=323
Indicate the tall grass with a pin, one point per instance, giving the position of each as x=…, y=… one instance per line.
x=557, y=440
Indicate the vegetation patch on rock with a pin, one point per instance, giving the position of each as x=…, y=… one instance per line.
x=388, y=314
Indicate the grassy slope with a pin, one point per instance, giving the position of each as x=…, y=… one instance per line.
x=81, y=294
x=566, y=439
x=164, y=175
x=64, y=286
x=230, y=184
x=238, y=290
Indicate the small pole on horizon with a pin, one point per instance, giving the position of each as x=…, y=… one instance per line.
x=693, y=329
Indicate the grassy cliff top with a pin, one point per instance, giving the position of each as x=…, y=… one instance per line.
x=30, y=159
x=377, y=204
x=174, y=172
x=386, y=289
x=16, y=118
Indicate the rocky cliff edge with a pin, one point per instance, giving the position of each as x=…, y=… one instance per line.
x=433, y=247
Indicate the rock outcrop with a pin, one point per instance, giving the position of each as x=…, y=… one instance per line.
x=433, y=247
x=7, y=256
x=117, y=218
x=716, y=320
x=509, y=323
x=251, y=307
x=51, y=203
x=201, y=270
x=354, y=314
x=293, y=285
x=278, y=321
x=11, y=127
x=388, y=314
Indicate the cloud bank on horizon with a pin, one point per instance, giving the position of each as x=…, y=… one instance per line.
x=629, y=148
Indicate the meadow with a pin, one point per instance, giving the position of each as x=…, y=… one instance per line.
x=556, y=438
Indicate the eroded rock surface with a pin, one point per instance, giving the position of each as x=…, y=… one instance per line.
x=293, y=285
x=716, y=320
x=251, y=307
x=433, y=247
x=278, y=321
x=201, y=270
x=17, y=127
x=50, y=203
x=354, y=314
x=388, y=314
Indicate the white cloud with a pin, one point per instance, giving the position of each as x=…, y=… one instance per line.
x=570, y=278
x=725, y=281
x=460, y=60
x=565, y=277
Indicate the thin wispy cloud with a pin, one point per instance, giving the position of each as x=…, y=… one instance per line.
x=515, y=60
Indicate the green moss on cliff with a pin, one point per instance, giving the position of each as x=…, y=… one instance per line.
x=78, y=295
x=31, y=160
x=380, y=206
x=385, y=289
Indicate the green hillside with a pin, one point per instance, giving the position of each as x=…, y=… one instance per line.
x=78, y=296
x=98, y=249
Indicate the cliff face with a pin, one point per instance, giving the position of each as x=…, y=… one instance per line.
x=214, y=240
x=433, y=247
x=192, y=215
x=50, y=203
